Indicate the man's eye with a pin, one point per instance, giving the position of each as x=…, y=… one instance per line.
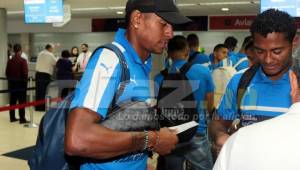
x=277, y=52
x=258, y=51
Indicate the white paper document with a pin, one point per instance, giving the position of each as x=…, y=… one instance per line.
x=184, y=127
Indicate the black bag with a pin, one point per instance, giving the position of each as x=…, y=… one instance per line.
x=176, y=103
x=49, y=149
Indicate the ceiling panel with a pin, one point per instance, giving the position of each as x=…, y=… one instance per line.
x=188, y=7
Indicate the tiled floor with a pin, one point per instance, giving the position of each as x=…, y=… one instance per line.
x=14, y=136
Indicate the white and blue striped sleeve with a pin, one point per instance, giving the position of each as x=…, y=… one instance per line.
x=99, y=83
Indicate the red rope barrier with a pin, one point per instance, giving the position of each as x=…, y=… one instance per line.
x=23, y=105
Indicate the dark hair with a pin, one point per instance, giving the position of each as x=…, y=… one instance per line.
x=48, y=46
x=86, y=45
x=177, y=43
x=71, y=52
x=193, y=40
x=65, y=54
x=219, y=46
x=249, y=45
x=246, y=41
x=17, y=48
x=230, y=42
x=274, y=20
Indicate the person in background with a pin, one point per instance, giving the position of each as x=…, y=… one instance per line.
x=231, y=43
x=243, y=61
x=74, y=53
x=250, y=52
x=17, y=74
x=194, y=55
x=198, y=152
x=44, y=70
x=64, y=72
x=83, y=57
x=220, y=57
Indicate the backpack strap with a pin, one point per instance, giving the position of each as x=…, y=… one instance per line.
x=125, y=75
x=185, y=68
x=244, y=83
x=192, y=57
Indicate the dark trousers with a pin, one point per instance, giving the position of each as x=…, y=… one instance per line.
x=41, y=84
x=17, y=94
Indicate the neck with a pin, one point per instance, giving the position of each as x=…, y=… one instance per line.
x=277, y=76
x=142, y=52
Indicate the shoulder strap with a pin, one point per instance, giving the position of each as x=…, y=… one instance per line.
x=244, y=83
x=192, y=57
x=125, y=75
x=185, y=68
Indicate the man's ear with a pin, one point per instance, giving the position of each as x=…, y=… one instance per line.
x=135, y=18
x=295, y=41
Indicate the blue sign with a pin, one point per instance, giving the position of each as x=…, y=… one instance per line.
x=43, y=11
x=292, y=7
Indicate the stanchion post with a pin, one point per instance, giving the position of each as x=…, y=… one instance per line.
x=31, y=109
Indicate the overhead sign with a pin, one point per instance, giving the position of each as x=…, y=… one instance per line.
x=292, y=7
x=43, y=11
x=230, y=22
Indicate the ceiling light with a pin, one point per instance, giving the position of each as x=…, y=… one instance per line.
x=120, y=12
x=183, y=5
x=228, y=3
x=14, y=12
x=88, y=9
x=117, y=7
x=224, y=9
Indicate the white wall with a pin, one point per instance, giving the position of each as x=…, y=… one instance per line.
x=75, y=25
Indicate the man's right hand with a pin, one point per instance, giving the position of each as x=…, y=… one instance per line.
x=167, y=141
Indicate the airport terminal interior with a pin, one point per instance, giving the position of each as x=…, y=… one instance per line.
x=91, y=22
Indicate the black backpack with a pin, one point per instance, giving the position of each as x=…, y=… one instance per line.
x=48, y=152
x=176, y=103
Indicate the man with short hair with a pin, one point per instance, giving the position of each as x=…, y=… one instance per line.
x=148, y=31
x=198, y=150
x=195, y=56
x=268, y=94
x=83, y=57
x=220, y=57
x=44, y=70
x=266, y=145
x=17, y=74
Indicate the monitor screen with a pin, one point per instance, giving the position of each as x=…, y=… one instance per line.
x=292, y=7
x=43, y=11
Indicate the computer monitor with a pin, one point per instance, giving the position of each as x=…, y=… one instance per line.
x=43, y=11
x=292, y=7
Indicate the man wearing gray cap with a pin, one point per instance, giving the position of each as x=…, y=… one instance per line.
x=149, y=28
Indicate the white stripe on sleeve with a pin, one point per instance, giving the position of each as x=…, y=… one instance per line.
x=104, y=69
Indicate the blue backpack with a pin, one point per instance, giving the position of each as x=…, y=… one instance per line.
x=49, y=152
